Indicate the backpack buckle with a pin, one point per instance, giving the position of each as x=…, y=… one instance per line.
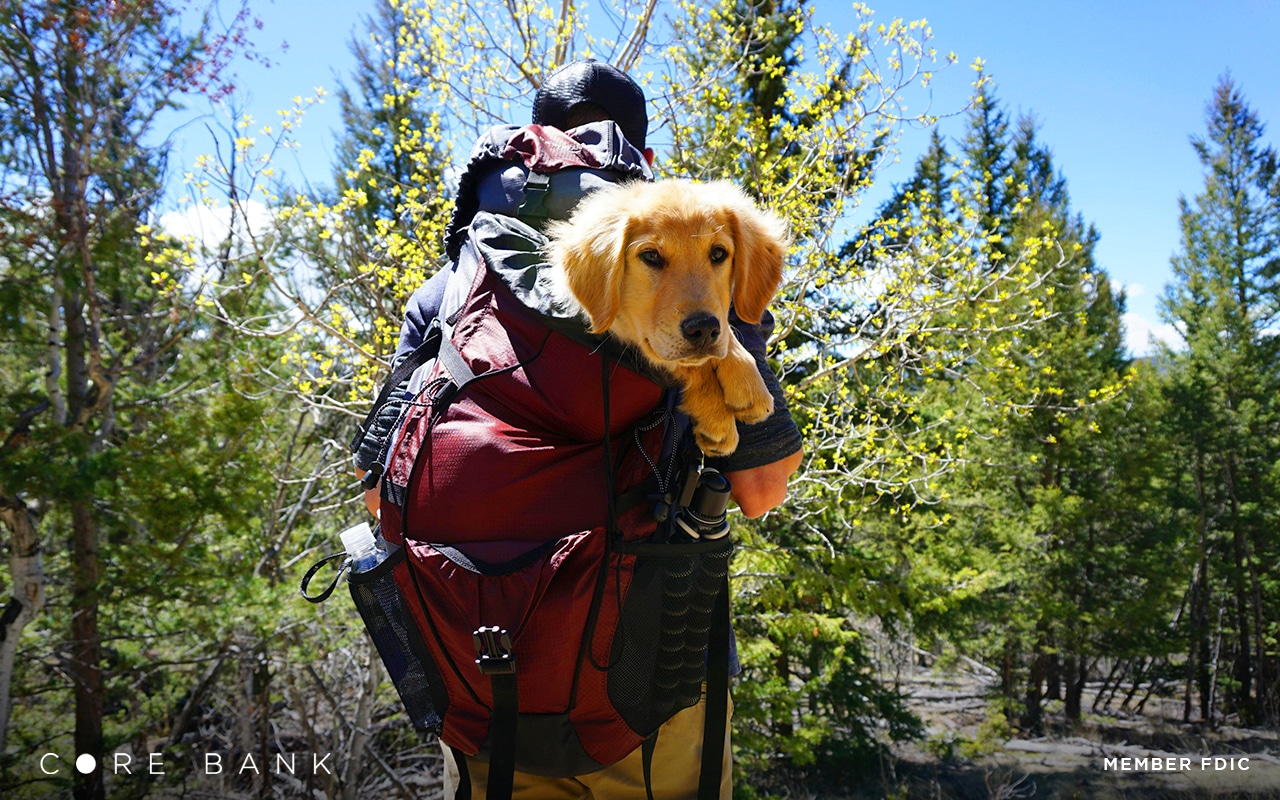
x=535, y=195
x=371, y=478
x=493, y=646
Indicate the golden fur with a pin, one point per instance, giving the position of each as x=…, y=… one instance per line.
x=656, y=265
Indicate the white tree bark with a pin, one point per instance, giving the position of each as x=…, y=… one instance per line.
x=27, y=571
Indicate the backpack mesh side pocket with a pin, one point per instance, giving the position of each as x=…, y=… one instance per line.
x=659, y=655
x=399, y=641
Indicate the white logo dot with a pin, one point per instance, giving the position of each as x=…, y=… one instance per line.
x=86, y=763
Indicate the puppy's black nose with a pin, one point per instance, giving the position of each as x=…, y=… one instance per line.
x=700, y=329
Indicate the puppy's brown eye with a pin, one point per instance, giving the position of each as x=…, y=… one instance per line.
x=651, y=257
x=718, y=254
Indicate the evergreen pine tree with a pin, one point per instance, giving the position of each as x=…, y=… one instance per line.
x=1225, y=300
x=388, y=145
x=985, y=160
x=925, y=199
x=1043, y=511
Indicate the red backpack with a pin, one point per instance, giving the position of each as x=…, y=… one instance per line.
x=557, y=587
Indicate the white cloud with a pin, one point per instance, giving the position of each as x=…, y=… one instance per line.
x=206, y=228
x=209, y=225
x=1141, y=335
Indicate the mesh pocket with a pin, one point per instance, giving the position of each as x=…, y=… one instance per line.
x=399, y=641
x=659, y=650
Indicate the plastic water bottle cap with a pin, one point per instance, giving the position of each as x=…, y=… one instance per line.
x=357, y=539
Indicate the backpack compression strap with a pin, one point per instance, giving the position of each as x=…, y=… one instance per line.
x=493, y=651
x=717, y=698
x=492, y=644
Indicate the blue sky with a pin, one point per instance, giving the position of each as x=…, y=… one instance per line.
x=1118, y=88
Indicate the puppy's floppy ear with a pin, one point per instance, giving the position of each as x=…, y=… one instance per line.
x=590, y=249
x=760, y=243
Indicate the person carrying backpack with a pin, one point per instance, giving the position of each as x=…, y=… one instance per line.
x=503, y=430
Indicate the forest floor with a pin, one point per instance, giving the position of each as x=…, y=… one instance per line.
x=1135, y=756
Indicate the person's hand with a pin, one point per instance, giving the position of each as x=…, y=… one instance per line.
x=762, y=489
x=372, y=497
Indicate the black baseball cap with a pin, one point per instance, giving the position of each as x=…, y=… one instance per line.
x=591, y=81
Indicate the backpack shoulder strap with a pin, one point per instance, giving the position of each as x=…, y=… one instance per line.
x=423, y=353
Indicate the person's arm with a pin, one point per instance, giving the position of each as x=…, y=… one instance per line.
x=419, y=310
x=761, y=489
x=372, y=497
x=769, y=452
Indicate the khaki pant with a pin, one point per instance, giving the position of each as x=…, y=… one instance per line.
x=677, y=764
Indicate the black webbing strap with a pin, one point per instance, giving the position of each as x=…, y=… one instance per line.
x=494, y=658
x=463, y=792
x=455, y=365
x=646, y=762
x=613, y=537
x=502, y=737
x=420, y=355
x=311, y=573
x=713, y=727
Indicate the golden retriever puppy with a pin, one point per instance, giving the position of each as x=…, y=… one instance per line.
x=656, y=265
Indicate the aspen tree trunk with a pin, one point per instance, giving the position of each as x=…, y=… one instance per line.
x=27, y=571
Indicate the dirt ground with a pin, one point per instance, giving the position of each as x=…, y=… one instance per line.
x=1114, y=755
x=969, y=753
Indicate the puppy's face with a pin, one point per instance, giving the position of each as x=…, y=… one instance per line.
x=658, y=265
x=677, y=283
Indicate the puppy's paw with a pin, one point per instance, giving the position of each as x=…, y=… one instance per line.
x=749, y=400
x=716, y=436
x=745, y=393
